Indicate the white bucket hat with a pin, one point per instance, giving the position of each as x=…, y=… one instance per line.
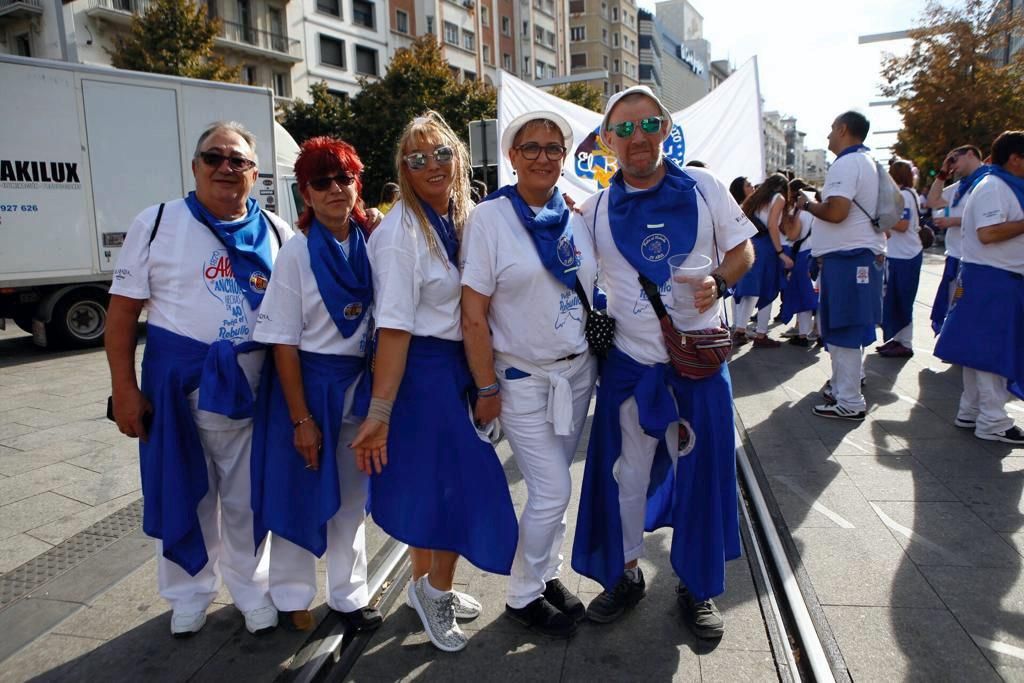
x=632, y=90
x=514, y=126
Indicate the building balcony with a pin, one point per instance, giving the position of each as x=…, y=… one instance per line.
x=20, y=9
x=251, y=41
x=115, y=11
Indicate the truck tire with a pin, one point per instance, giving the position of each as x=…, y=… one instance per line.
x=79, y=319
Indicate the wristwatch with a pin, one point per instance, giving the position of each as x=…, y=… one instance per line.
x=721, y=288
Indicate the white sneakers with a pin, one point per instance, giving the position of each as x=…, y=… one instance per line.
x=466, y=606
x=438, y=617
x=261, y=620
x=185, y=625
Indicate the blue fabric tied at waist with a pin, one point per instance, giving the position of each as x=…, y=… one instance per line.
x=798, y=293
x=694, y=494
x=850, y=310
x=941, y=304
x=174, y=476
x=902, y=279
x=763, y=278
x=278, y=472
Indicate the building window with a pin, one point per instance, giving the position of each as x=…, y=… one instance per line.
x=604, y=58
x=539, y=69
x=401, y=21
x=485, y=15
x=526, y=30
x=604, y=36
x=618, y=88
x=506, y=61
x=281, y=85
x=468, y=76
x=604, y=10
x=451, y=33
x=506, y=26
x=615, y=66
x=332, y=51
x=615, y=39
x=487, y=54
x=577, y=33
x=615, y=13
x=248, y=75
x=551, y=71
x=366, y=61
x=549, y=39
x=606, y=88
x=339, y=95
x=211, y=8
x=468, y=40
x=329, y=7
x=538, y=34
x=23, y=45
x=526, y=66
x=430, y=24
x=576, y=6
x=578, y=61
x=362, y=13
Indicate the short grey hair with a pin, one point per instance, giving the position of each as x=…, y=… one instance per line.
x=233, y=127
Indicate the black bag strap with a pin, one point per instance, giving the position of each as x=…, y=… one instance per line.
x=653, y=295
x=874, y=220
x=156, y=223
x=581, y=292
x=273, y=227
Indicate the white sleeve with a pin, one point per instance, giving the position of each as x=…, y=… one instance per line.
x=588, y=210
x=396, y=280
x=730, y=224
x=480, y=254
x=948, y=193
x=841, y=179
x=986, y=206
x=280, y=315
x=131, y=275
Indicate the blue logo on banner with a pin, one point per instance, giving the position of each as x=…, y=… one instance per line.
x=593, y=160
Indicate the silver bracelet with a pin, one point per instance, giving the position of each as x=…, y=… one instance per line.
x=380, y=410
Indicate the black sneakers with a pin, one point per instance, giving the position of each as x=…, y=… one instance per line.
x=703, y=618
x=363, y=619
x=609, y=605
x=837, y=412
x=563, y=600
x=1013, y=435
x=542, y=617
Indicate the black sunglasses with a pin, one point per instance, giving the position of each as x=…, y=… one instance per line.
x=532, y=150
x=343, y=179
x=215, y=159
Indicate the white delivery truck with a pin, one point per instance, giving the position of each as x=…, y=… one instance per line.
x=83, y=150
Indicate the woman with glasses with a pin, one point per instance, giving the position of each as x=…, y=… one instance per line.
x=317, y=316
x=528, y=262
x=436, y=484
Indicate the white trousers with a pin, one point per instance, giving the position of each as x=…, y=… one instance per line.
x=293, y=569
x=984, y=402
x=543, y=458
x=804, y=322
x=847, y=371
x=745, y=308
x=225, y=517
x=905, y=336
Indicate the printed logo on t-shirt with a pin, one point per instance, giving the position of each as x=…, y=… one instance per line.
x=352, y=310
x=568, y=309
x=655, y=247
x=220, y=282
x=258, y=282
x=643, y=303
x=122, y=273
x=565, y=251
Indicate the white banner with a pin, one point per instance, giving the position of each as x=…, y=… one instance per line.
x=722, y=129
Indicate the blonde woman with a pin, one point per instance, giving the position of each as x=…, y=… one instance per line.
x=435, y=484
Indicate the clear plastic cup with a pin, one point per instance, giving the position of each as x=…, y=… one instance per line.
x=688, y=271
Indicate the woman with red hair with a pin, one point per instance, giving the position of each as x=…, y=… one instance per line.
x=316, y=316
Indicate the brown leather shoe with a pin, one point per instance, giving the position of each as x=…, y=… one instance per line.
x=766, y=342
x=299, y=620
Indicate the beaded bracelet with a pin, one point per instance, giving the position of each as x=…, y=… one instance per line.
x=488, y=391
x=295, y=425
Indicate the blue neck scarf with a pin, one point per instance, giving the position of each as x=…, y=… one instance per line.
x=650, y=225
x=444, y=230
x=550, y=232
x=345, y=284
x=851, y=149
x=1016, y=183
x=967, y=183
x=248, y=245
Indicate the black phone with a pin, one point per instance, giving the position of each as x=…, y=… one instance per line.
x=147, y=419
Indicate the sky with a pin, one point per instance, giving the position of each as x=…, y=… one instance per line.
x=809, y=62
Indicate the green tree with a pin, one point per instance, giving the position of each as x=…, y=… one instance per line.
x=418, y=78
x=583, y=94
x=173, y=37
x=953, y=88
x=325, y=114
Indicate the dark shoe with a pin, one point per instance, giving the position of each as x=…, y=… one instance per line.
x=541, y=616
x=837, y=412
x=766, y=342
x=1013, y=435
x=609, y=605
x=897, y=350
x=298, y=620
x=964, y=424
x=703, y=618
x=802, y=342
x=739, y=338
x=362, y=619
x=563, y=600
x=887, y=345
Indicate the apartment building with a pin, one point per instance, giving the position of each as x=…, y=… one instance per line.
x=774, y=142
x=794, y=146
x=604, y=43
x=674, y=69
x=815, y=167
x=342, y=41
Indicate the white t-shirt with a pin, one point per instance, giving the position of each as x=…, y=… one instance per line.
x=953, y=235
x=990, y=203
x=852, y=176
x=637, y=332
x=807, y=222
x=906, y=245
x=414, y=290
x=532, y=315
x=765, y=211
x=186, y=280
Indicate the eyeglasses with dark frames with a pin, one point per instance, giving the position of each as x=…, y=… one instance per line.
x=531, y=151
x=322, y=184
x=417, y=161
x=237, y=164
x=650, y=125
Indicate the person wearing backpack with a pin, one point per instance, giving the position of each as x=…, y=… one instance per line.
x=851, y=253
x=903, y=271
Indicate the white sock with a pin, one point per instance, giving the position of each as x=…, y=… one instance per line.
x=432, y=593
x=633, y=574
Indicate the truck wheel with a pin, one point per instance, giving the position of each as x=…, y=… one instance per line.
x=79, y=319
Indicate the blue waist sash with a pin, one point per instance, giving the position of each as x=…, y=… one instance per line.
x=762, y=280
x=850, y=310
x=174, y=476
x=984, y=329
x=798, y=293
x=901, y=280
x=941, y=305
x=294, y=502
x=696, y=495
x=443, y=487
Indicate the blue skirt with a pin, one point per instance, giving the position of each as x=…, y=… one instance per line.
x=278, y=473
x=798, y=293
x=941, y=304
x=851, y=298
x=443, y=487
x=984, y=329
x=902, y=277
x=762, y=280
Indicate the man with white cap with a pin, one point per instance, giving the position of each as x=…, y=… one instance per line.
x=661, y=449
x=527, y=267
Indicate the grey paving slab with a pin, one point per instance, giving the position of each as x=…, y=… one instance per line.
x=68, y=525
x=129, y=603
x=29, y=513
x=906, y=644
x=38, y=658
x=1016, y=540
x=22, y=622
x=999, y=502
x=13, y=430
x=826, y=500
x=894, y=478
x=793, y=456
x=951, y=461
x=100, y=571
x=730, y=666
x=18, y=549
x=41, y=480
x=14, y=462
x=108, y=485
x=44, y=438
x=104, y=459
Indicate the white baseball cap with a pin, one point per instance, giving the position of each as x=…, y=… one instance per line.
x=518, y=122
x=632, y=90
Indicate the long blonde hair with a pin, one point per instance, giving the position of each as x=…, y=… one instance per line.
x=429, y=125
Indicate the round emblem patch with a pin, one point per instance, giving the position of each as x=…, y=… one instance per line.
x=258, y=281
x=654, y=247
x=352, y=311
x=686, y=439
x=566, y=252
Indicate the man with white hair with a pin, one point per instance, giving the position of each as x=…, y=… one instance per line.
x=661, y=450
x=200, y=266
